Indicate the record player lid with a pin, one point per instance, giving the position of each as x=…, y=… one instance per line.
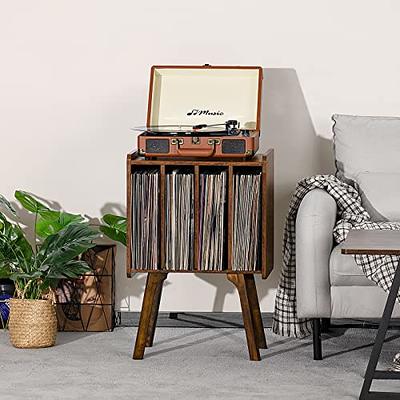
x=192, y=95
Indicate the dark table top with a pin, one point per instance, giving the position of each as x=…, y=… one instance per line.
x=372, y=242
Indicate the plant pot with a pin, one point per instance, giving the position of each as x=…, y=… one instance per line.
x=7, y=289
x=32, y=323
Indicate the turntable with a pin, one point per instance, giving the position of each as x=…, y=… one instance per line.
x=202, y=111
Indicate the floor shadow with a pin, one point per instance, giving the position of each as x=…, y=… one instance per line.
x=69, y=337
x=361, y=347
x=206, y=321
x=178, y=337
x=196, y=332
x=287, y=350
x=268, y=353
x=225, y=333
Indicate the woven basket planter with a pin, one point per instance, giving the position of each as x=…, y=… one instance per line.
x=32, y=323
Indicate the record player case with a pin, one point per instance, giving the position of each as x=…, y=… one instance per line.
x=243, y=280
x=184, y=98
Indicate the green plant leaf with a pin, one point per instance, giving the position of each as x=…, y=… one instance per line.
x=45, y=227
x=52, y=222
x=115, y=227
x=5, y=271
x=114, y=220
x=66, y=244
x=29, y=202
x=13, y=244
x=65, y=236
x=3, y=221
x=49, y=221
x=26, y=275
x=114, y=234
x=67, y=218
x=7, y=205
x=72, y=269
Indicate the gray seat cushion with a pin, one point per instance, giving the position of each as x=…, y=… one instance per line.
x=343, y=270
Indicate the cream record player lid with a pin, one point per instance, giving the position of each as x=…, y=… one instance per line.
x=192, y=95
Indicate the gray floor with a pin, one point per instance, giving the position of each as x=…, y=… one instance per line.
x=195, y=363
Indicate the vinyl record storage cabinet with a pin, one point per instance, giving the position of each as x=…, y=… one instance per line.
x=262, y=165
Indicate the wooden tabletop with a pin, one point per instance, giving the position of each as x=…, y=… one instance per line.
x=372, y=242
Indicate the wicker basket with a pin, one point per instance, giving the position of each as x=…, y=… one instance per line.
x=32, y=323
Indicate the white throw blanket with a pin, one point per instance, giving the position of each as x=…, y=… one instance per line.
x=351, y=215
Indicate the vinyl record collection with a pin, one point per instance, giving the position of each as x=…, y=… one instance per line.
x=145, y=218
x=180, y=220
x=212, y=220
x=246, y=221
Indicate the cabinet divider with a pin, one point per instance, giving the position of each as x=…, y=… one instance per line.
x=129, y=266
x=230, y=219
x=163, y=222
x=196, y=249
x=268, y=214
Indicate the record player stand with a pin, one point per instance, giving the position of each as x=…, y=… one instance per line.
x=243, y=281
x=248, y=300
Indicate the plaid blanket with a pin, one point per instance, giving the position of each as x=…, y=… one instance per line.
x=351, y=215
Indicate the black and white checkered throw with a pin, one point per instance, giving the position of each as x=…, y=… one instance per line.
x=351, y=215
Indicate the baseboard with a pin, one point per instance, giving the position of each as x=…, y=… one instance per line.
x=226, y=320
x=192, y=319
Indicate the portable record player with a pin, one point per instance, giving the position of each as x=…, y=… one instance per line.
x=202, y=111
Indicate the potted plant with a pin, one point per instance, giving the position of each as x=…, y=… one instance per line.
x=36, y=269
x=7, y=290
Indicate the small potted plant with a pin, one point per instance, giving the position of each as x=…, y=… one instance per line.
x=36, y=269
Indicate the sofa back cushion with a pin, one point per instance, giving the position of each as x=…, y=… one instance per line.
x=367, y=149
x=380, y=195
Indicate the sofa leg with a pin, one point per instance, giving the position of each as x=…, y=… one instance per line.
x=317, y=345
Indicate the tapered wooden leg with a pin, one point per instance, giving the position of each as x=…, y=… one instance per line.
x=152, y=284
x=255, y=311
x=154, y=311
x=239, y=281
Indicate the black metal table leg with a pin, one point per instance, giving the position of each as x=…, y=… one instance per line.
x=317, y=345
x=371, y=372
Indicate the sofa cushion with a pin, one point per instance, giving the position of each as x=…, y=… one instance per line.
x=380, y=195
x=367, y=156
x=366, y=144
x=359, y=302
x=343, y=270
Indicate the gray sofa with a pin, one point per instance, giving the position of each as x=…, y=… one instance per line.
x=329, y=284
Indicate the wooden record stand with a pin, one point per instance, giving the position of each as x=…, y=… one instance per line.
x=244, y=281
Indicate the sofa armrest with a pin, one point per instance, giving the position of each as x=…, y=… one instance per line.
x=315, y=221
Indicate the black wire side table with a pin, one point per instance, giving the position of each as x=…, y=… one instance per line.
x=87, y=304
x=374, y=242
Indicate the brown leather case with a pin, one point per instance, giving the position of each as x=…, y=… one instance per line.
x=203, y=146
x=195, y=146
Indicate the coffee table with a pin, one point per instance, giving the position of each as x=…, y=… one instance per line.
x=377, y=243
